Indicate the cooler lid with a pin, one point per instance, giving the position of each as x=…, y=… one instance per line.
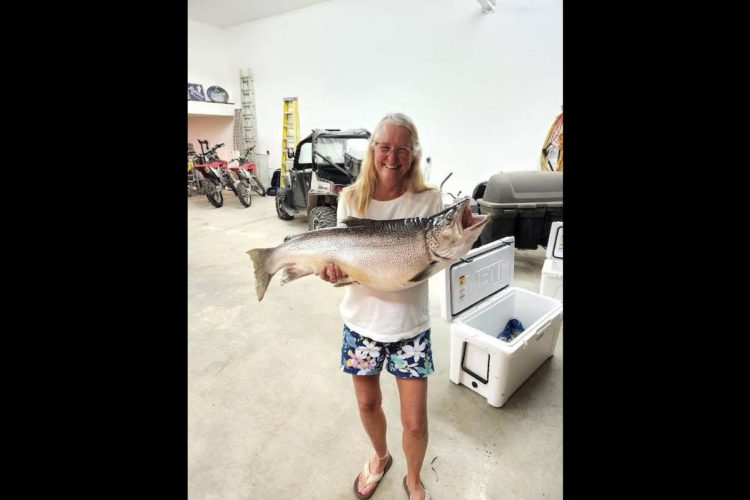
x=555, y=243
x=482, y=272
x=524, y=188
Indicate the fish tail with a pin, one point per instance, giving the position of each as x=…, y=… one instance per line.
x=262, y=277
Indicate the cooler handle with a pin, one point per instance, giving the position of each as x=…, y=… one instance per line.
x=463, y=356
x=541, y=331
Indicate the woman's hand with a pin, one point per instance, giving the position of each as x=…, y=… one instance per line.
x=331, y=273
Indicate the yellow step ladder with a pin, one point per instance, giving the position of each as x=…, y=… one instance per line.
x=289, y=135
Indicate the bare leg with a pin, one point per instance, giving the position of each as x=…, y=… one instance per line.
x=369, y=399
x=413, y=395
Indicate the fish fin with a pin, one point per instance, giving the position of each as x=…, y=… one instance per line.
x=356, y=221
x=262, y=278
x=409, y=224
x=424, y=273
x=292, y=273
x=344, y=283
x=292, y=236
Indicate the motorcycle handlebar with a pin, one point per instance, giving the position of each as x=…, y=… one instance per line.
x=212, y=150
x=209, y=151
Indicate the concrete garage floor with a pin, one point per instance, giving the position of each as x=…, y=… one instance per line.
x=271, y=416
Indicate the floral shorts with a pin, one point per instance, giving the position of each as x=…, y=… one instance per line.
x=409, y=358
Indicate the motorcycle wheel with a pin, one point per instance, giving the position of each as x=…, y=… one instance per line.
x=215, y=197
x=257, y=186
x=280, y=195
x=243, y=193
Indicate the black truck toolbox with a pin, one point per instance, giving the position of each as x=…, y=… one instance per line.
x=523, y=204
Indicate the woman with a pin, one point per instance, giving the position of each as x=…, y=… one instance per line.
x=390, y=329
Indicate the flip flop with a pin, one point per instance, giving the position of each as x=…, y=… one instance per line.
x=427, y=495
x=371, y=478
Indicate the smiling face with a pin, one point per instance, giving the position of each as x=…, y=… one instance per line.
x=393, y=154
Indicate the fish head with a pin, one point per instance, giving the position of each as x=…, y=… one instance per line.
x=447, y=238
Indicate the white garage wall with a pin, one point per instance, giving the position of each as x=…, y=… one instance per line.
x=215, y=129
x=209, y=60
x=209, y=64
x=483, y=89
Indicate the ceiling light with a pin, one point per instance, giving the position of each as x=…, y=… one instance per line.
x=488, y=6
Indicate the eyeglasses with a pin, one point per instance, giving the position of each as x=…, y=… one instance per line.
x=385, y=149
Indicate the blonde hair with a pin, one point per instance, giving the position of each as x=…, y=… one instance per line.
x=360, y=193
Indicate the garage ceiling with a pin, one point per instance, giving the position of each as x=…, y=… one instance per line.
x=225, y=13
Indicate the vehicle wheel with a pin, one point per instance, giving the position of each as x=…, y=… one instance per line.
x=280, y=211
x=321, y=217
x=243, y=193
x=215, y=197
x=257, y=186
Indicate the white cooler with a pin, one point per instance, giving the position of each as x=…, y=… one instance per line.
x=552, y=271
x=479, y=302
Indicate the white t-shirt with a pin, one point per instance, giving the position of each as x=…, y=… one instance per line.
x=389, y=316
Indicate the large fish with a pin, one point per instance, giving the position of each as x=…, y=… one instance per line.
x=385, y=255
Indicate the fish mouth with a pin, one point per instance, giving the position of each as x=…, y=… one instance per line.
x=459, y=223
x=459, y=206
x=477, y=220
x=451, y=238
x=454, y=213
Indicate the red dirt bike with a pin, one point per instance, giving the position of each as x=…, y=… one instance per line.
x=206, y=176
x=247, y=172
x=232, y=177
